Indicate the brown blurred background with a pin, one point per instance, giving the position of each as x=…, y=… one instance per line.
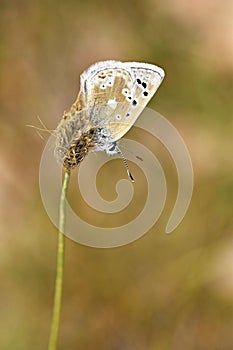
x=163, y=291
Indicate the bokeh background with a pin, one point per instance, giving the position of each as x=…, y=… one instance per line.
x=162, y=291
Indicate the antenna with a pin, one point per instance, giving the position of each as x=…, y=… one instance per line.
x=133, y=154
x=126, y=165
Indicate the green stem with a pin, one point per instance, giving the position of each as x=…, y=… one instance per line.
x=60, y=267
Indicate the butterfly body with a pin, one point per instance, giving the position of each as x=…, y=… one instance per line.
x=112, y=96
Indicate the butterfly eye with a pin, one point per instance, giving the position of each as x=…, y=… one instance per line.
x=111, y=149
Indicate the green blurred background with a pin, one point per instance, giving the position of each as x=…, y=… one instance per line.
x=162, y=291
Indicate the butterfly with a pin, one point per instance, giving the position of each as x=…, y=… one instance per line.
x=112, y=96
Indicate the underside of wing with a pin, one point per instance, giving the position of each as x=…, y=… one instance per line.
x=115, y=93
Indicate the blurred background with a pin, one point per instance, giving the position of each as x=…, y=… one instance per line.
x=162, y=291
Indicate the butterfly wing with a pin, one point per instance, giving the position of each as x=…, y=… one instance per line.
x=103, y=89
x=146, y=80
x=115, y=93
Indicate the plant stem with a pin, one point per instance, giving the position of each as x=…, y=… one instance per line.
x=60, y=267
